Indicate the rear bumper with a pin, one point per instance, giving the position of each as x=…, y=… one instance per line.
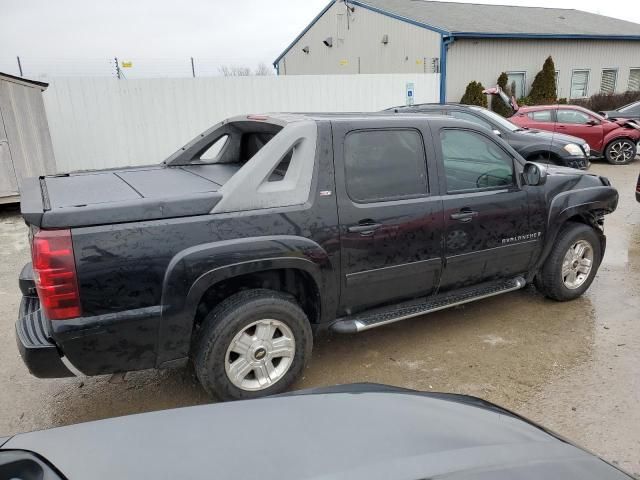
x=93, y=345
x=33, y=334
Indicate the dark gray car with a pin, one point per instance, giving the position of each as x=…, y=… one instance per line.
x=349, y=432
x=630, y=112
x=533, y=145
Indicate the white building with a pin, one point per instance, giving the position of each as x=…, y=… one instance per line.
x=466, y=42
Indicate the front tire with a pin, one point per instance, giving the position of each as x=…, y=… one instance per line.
x=620, y=152
x=572, y=264
x=255, y=343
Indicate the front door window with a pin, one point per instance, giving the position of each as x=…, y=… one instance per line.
x=473, y=162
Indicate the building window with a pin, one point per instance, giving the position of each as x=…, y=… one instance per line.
x=516, y=83
x=341, y=27
x=579, y=83
x=608, y=80
x=634, y=79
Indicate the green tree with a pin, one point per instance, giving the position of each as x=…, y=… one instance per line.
x=543, y=89
x=497, y=105
x=473, y=95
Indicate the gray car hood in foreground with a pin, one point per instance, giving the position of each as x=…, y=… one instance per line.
x=362, y=431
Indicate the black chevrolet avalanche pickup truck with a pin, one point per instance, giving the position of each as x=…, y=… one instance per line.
x=266, y=229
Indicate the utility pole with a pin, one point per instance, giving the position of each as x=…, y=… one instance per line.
x=117, y=68
x=193, y=68
x=19, y=65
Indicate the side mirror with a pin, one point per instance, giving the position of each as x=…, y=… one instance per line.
x=593, y=122
x=534, y=174
x=497, y=132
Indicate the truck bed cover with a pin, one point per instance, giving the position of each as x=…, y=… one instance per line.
x=123, y=195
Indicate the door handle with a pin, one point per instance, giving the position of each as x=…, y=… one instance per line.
x=465, y=215
x=364, y=227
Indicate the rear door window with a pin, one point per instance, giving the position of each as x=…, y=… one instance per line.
x=385, y=165
x=541, y=116
x=474, y=162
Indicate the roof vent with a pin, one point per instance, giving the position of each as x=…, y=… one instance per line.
x=305, y=49
x=385, y=39
x=328, y=42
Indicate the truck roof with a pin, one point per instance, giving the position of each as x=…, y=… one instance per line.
x=155, y=192
x=289, y=117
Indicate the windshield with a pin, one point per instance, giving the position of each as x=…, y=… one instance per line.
x=629, y=107
x=499, y=119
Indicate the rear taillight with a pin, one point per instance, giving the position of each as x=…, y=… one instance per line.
x=638, y=186
x=54, y=271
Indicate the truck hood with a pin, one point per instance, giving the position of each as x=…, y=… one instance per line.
x=350, y=432
x=122, y=195
x=585, y=188
x=574, y=178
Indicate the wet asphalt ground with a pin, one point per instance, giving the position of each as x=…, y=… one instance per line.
x=573, y=367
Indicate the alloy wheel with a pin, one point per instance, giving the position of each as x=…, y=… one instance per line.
x=621, y=152
x=260, y=355
x=577, y=264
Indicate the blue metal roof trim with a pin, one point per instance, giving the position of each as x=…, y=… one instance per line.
x=402, y=19
x=568, y=36
x=307, y=28
x=445, y=41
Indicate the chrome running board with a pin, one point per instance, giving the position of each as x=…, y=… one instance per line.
x=394, y=313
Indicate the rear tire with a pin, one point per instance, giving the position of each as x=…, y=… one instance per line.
x=255, y=343
x=572, y=264
x=620, y=151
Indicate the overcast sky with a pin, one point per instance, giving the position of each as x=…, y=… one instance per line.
x=80, y=35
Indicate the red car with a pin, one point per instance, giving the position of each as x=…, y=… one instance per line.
x=615, y=140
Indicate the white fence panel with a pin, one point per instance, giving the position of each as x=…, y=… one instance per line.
x=103, y=122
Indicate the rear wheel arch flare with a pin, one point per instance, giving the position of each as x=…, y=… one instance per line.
x=297, y=283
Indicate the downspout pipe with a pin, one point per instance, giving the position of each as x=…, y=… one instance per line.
x=445, y=41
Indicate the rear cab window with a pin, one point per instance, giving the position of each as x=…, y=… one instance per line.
x=385, y=164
